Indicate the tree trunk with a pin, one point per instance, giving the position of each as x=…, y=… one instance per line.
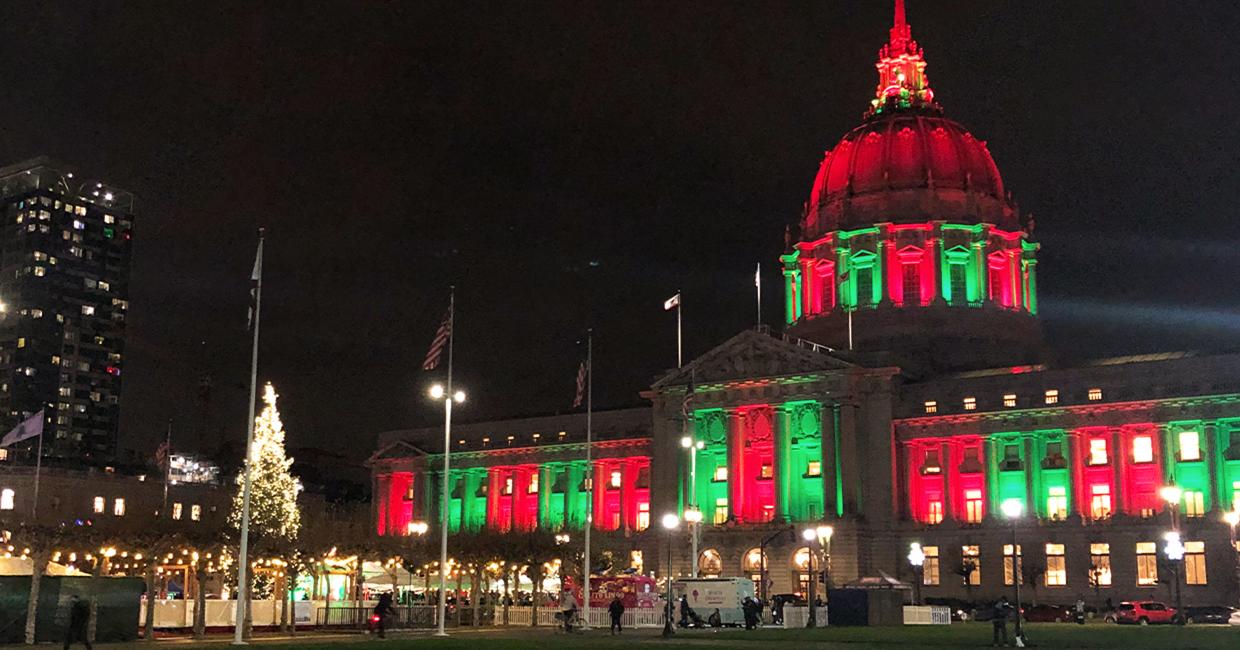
x=534, y=593
x=40, y=559
x=148, y=626
x=474, y=597
x=283, y=592
x=507, y=595
x=200, y=604
x=292, y=619
x=101, y=567
x=459, y=606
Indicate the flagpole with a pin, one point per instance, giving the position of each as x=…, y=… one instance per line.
x=243, y=591
x=167, y=464
x=680, y=306
x=589, y=471
x=38, y=469
x=757, y=281
x=447, y=449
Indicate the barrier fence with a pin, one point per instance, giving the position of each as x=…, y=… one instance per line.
x=927, y=615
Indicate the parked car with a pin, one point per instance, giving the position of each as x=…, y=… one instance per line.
x=1215, y=614
x=1235, y=618
x=1144, y=612
x=1048, y=614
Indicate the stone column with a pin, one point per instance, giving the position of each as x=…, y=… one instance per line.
x=827, y=453
x=780, y=438
x=950, y=507
x=736, y=465
x=849, y=461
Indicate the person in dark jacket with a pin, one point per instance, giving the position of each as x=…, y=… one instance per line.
x=383, y=609
x=752, y=611
x=616, y=610
x=79, y=620
x=998, y=622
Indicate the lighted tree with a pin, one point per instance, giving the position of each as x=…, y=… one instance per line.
x=273, y=488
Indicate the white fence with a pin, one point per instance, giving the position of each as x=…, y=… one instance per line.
x=927, y=615
x=598, y=617
x=799, y=616
x=222, y=613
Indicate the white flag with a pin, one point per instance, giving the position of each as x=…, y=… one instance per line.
x=757, y=276
x=672, y=303
x=255, y=277
x=29, y=428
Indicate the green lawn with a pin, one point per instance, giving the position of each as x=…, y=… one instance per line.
x=975, y=635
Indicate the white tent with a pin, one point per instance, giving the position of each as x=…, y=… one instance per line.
x=15, y=566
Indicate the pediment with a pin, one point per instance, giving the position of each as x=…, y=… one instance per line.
x=398, y=450
x=753, y=354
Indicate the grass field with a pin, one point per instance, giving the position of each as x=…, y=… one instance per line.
x=976, y=635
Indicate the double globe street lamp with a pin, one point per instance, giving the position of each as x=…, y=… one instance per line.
x=438, y=392
x=917, y=558
x=1012, y=509
x=822, y=535
x=693, y=447
x=670, y=523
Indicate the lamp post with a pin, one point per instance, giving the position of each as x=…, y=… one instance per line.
x=693, y=446
x=1012, y=509
x=670, y=523
x=1233, y=519
x=917, y=558
x=822, y=535
x=448, y=396
x=1174, y=548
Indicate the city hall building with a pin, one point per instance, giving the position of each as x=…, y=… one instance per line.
x=909, y=399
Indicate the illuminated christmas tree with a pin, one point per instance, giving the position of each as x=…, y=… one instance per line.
x=273, y=489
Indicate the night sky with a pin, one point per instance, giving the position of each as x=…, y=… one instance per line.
x=573, y=164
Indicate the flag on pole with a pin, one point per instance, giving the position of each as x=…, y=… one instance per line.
x=442, y=335
x=28, y=428
x=757, y=276
x=161, y=455
x=254, y=278
x=581, y=384
x=672, y=303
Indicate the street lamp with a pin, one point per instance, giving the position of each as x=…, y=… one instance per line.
x=1174, y=548
x=821, y=534
x=670, y=523
x=1012, y=509
x=438, y=392
x=1233, y=519
x=693, y=448
x=917, y=558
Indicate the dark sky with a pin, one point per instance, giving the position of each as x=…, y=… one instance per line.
x=568, y=164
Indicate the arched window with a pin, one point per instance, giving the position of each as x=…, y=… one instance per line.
x=710, y=565
x=751, y=565
x=801, y=569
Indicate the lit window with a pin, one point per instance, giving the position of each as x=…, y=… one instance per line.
x=1009, y=400
x=1057, y=503
x=1100, y=501
x=39, y=271
x=1097, y=451
x=930, y=568
x=721, y=473
x=973, y=506
x=176, y=511
x=643, y=515
x=507, y=486
x=1190, y=447
x=814, y=468
x=1100, y=565
x=1147, y=564
x=932, y=407
x=971, y=559
x=767, y=471
x=1194, y=503
x=1095, y=394
x=1195, y=563
x=78, y=225
x=118, y=507
x=1009, y=576
x=195, y=512
x=99, y=505
x=4, y=453
x=21, y=341
x=1056, y=567
x=970, y=403
x=88, y=310
x=615, y=479
x=533, y=486
x=721, y=511
x=1052, y=396
x=934, y=512
x=6, y=499
x=930, y=462
x=1143, y=449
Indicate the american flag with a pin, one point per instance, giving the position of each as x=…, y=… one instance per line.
x=581, y=384
x=442, y=335
x=161, y=455
x=255, y=278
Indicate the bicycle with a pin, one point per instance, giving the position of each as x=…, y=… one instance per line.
x=574, y=624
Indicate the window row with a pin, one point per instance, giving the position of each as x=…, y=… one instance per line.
x=1011, y=400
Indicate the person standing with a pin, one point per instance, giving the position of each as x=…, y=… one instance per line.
x=1079, y=610
x=616, y=610
x=79, y=620
x=568, y=608
x=998, y=622
x=383, y=609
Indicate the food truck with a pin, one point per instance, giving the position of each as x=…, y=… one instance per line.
x=705, y=595
x=635, y=591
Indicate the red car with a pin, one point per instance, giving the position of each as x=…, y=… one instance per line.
x=1145, y=612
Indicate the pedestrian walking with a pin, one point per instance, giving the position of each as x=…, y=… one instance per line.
x=616, y=610
x=383, y=609
x=79, y=620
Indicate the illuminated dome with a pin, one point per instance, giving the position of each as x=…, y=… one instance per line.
x=909, y=246
x=907, y=167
